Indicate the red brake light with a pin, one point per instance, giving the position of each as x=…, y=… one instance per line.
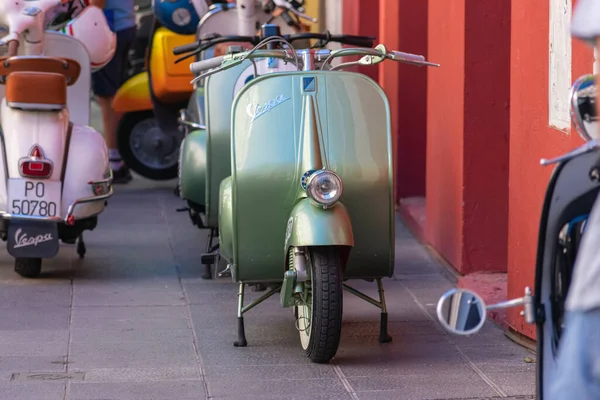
x=36, y=169
x=35, y=166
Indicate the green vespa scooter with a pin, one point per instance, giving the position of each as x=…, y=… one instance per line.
x=205, y=153
x=309, y=203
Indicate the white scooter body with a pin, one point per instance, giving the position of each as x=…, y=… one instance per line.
x=219, y=19
x=77, y=187
x=88, y=154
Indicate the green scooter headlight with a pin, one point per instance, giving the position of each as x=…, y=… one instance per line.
x=324, y=188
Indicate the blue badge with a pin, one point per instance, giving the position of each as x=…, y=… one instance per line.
x=308, y=84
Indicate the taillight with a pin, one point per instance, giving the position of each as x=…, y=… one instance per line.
x=35, y=166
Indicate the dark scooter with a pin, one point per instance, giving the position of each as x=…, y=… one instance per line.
x=571, y=194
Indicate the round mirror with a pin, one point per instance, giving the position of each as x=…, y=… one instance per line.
x=461, y=312
x=583, y=107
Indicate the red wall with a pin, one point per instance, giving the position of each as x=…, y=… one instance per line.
x=403, y=26
x=531, y=139
x=486, y=135
x=445, y=116
x=362, y=18
x=467, y=133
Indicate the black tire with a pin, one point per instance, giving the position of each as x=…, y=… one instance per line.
x=28, y=267
x=124, y=133
x=325, y=329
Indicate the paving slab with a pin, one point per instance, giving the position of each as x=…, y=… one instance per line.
x=37, y=391
x=135, y=321
x=138, y=391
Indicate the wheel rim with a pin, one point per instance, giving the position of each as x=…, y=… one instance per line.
x=151, y=147
x=304, y=323
x=305, y=311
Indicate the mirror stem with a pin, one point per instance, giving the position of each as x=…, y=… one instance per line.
x=526, y=301
x=507, y=304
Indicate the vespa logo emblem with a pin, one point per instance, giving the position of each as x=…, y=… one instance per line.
x=24, y=241
x=256, y=110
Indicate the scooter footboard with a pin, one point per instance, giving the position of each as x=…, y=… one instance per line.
x=87, y=162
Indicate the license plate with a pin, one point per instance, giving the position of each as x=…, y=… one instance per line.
x=34, y=198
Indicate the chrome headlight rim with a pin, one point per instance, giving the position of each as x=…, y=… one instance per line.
x=310, y=188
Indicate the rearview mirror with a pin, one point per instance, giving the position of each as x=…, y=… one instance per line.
x=461, y=312
x=583, y=107
x=464, y=312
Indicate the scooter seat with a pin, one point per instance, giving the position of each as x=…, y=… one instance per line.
x=64, y=66
x=36, y=91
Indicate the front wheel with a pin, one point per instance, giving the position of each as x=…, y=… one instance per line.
x=145, y=148
x=320, y=315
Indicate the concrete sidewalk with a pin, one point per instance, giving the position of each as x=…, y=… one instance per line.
x=135, y=321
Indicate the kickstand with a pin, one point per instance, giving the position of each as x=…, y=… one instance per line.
x=208, y=259
x=206, y=272
x=81, y=246
x=384, y=337
x=241, y=331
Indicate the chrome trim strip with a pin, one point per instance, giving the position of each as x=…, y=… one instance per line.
x=36, y=106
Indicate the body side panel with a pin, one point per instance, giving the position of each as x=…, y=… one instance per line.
x=193, y=167
x=221, y=90
x=170, y=81
x=134, y=95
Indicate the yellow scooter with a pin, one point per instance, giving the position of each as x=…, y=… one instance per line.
x=149, y=136
x=146, y=148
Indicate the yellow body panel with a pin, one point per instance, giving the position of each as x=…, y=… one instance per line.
x=314, y=8
x=170, y=81
x=134, y=95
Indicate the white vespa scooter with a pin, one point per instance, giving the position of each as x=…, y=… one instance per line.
x=54, y=171
x=247, y=15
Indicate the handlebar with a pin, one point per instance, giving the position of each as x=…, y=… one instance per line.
x=406, y=57
x=199, y=46
x=370, y=57
x=205, y=65
x=206, y=43
x=25, y=18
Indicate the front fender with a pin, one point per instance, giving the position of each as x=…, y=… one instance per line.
x=312, y=226
x=192, y=168
x=134, y=95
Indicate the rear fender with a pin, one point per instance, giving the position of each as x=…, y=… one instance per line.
x=134, y=95
x=192, y=167
x=312, y=226
x=87, y=162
